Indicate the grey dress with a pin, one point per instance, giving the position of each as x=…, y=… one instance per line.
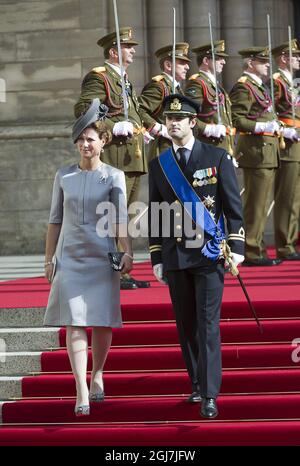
x=85, y=290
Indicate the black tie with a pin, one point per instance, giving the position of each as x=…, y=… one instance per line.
x=181, y=155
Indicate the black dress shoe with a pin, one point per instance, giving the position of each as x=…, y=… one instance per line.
x=195, y=397
x=127, y=284
x=263, y=262
x=209, y=408
x=140, y=283
x=293, y=256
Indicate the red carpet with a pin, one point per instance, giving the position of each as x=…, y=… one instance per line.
x=145, y=381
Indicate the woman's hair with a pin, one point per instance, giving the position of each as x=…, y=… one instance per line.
x=102, y=130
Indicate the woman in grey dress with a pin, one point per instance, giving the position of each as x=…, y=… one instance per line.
x=88, y=212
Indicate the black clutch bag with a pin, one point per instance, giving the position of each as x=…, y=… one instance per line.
x=115, y=260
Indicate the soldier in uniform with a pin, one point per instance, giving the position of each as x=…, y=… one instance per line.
x=254, y=118
x=194, y=180
x=287, y=178
x=126, y=150
x=201, y=87
x=160, y=86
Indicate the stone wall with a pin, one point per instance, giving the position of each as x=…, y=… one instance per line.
x=47, y=46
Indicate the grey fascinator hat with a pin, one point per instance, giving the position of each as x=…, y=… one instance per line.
x=96, y=111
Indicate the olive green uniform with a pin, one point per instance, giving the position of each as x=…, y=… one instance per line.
x=201, y=89
x=127, y=154
x=151, y=109
x=287, y=179
x=259, y=158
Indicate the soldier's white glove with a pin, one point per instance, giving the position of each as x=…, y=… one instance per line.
x=160, y=130
x=291, y=133
x=216, y=131
x=147, y=137
x=235, y=162
x=267, y=127
x=158, y=271
x=237, y=259
x=123, y=128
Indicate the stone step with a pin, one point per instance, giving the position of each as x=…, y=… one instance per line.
x=10, y=387
x=29, y=339
x=22, y=317
x=20, y=363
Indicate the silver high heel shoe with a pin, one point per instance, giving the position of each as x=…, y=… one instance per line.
x=97, y=397
x=82, y=410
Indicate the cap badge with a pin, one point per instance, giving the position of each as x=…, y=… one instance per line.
x=175, y=105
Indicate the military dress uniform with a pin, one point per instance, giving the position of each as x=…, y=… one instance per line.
x=259, y=155
x=287, y=179
x=126, y=153
x=195, y=281
x=104, y=82
x=154, y=93
x=202, y=88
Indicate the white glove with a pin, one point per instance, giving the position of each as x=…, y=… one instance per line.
x=160, y=130
x=147, y=137
x=123, y=128
x=237, y=259
x=267, y=127
x=158, y=271
x=216, y=131
x=291, y=133
x=235, y=162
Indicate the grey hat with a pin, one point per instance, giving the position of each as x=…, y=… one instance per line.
x=95, y=112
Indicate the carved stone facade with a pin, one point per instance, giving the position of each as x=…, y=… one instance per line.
x=47, y=46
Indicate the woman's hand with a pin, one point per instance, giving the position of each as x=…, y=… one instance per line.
x=49, y=271
x=126, y=263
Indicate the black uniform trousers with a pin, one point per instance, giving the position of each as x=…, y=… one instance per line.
x=196, y=295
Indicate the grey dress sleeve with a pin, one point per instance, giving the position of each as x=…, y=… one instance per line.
x=56, y=211
x=118, y=196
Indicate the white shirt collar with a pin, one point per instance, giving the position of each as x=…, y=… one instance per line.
x=209, y=75
x=254, y=77
x=287, y=74
x=189, y=145
x=171, y=79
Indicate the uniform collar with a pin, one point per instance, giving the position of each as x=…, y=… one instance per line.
x=254, y=77
x=170, y=78
x=286, y=74
x=116, y=68
x=209, y=75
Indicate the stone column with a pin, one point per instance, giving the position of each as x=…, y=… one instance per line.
x=196, y=24
x=237, y=30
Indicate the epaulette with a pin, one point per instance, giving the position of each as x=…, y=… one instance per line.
x=157, y=78
x=276, y=75
x=194, y=76
x=99, y=69
x=242, y=79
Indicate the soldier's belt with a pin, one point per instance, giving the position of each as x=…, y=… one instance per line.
x=290, y=122
x=248, y=133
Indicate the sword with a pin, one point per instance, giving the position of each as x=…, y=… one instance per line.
x=291, y=71
x=235, y=272
x=174, y=50
x=124, y=95
x=214, y=69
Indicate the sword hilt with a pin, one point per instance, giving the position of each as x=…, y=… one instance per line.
x=228, y=257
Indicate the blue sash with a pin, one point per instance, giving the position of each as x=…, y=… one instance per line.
x=193, y=205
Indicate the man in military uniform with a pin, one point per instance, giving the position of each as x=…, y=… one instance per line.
x=201, y=87
x=160, y=86
x=287, y=178
x=198, y=181
x=255, y=119
x=126, y=150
